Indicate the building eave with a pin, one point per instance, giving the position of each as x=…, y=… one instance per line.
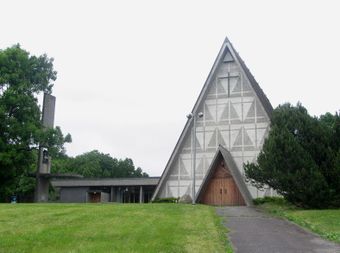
x=89, y=182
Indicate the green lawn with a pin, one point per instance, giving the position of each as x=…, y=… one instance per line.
x=110, y=228
x=323, y=222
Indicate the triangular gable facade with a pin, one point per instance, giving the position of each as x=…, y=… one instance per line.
x=236, y=116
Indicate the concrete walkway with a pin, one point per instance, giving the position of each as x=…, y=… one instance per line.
x=253, y=231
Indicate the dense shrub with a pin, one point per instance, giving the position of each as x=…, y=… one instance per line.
x=300, y=158
x=165, y=200
x=276, y=200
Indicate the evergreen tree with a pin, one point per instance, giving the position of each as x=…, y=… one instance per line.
x=300, y=158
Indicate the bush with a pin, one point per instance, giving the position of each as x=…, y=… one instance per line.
x=276, y=200
x=300, y=159
x=165, y=200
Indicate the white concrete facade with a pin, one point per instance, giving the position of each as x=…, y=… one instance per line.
x=236, y=116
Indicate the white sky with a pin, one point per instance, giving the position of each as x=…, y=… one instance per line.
x=129, y=71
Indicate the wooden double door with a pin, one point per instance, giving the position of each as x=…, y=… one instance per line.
x=221, y=190
x=94, y=197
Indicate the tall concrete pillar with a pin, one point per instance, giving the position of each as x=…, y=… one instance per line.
x=141, y=195
x=44, y=160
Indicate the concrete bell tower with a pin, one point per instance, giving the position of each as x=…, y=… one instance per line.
x=44, y=160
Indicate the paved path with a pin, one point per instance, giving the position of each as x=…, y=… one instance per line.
x=252, y=231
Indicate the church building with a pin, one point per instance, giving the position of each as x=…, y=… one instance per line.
x=227, y=126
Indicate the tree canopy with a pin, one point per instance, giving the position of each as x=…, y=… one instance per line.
x=300, y=158
x=22, y=78
x=96, y=164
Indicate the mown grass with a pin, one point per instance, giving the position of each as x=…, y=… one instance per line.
x=110, y=228
x=324, y=222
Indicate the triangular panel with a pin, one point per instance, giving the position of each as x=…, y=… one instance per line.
x=233, y=82
x=223, y=114
x=238, y=140
x=212, y=90
x=199, y=166
x=247, y=139
x=246, y=86
x=187, y=143
x=175, y=170
x=222, y=86
x=188, y=190
x=259, y=111
x=185, y=167
x=207, y=114
x=261, y=136
x=171, y=191
x=226, y=137
x=212, y=142
x=220, y=138
x=233, y=112
x=251, y=111
x=237, y=85
x=228, y=57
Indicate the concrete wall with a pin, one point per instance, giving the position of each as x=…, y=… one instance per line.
x=104, y=197
x=73, y=195
x=233, y=117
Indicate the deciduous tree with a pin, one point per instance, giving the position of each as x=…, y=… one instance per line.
x=96, y=164
x=22, y=78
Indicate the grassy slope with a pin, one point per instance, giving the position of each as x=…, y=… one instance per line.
x=323, y=222
x=110, y=228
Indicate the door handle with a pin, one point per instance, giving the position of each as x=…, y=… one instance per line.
x=220, y=191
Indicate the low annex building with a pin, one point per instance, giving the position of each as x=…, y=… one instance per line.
x=121, y=190
x=235, y=122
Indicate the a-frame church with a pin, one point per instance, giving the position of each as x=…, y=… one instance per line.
x=235, y=122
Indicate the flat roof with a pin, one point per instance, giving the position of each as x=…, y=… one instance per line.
x=105, y=182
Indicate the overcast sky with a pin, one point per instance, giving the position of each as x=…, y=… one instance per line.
x=129, y=71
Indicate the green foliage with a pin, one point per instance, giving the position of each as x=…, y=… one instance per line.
x=276, y=200
x=22, y=78
x=96, y=164
x=166, y=200
x=300, y=158
x=54, y=139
